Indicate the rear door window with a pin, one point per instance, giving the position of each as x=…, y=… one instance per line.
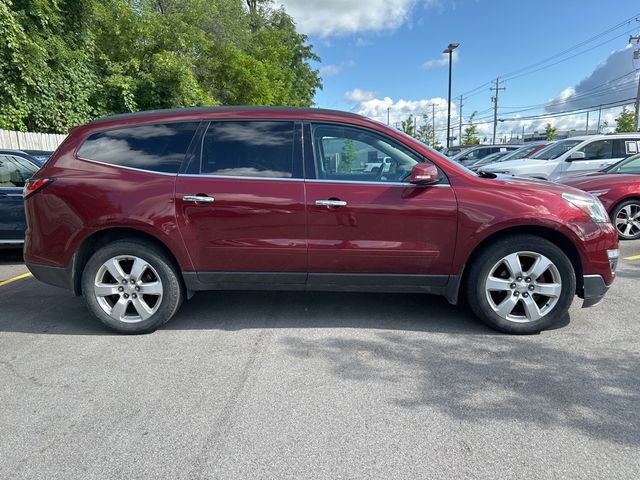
x=262, y=149
x=600, y=149
x=15, y=171
x=158, y=148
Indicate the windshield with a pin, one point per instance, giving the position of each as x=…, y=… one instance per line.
x=628, y=165
x=519, y=153
x=554, y=151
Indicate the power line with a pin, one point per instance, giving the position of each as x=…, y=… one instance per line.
x=511, y=75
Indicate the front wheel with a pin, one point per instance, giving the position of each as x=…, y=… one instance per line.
x=626, y=218
x=521, y=284
x=131, y=287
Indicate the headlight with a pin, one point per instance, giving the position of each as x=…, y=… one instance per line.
x=599, y=193
x=589, y=205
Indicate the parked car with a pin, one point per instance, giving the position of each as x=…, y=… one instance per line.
x=572, y=156
x=522, y=152
x=16, y=168
x=383, y=163
x=473, y=154
x=618, y=188
x=40, y=155
x=494, y=157
x=452, y=151
x=137, y=212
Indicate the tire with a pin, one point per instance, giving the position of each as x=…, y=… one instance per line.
x=626, y=218
x=137, y=301
x=502, y=299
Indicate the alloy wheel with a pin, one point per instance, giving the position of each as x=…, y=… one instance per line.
x=628, y=221
x=523, y=287
x=128, y=289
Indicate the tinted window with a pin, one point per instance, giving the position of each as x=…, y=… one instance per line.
x=15, y=171
x=600, y=149
x=160, y=147
x=248, y=149
x=343, y=153
x=556, y=150
x=629, y=165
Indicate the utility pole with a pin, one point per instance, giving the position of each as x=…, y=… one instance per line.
x=523, y=134
x=636, y=56
x=388, y=113
x=494, y=99
x=599, y=118
x=433, y=124
x=460, y=123
x=587, y=129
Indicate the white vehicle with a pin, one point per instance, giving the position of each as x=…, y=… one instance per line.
x=569, y=157
x=374, y=166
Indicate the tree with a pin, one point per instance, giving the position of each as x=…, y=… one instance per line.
x=470, y=136
x=425, y=131
x=626, y=121
x=408, y=126
x=65, y=62
x=551, y=132
x=348, y=155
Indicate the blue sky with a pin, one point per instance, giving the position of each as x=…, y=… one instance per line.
x=376, y=53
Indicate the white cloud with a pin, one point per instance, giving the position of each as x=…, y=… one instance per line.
x=368, y=104
x=330, y=70
x=606, y=84
x=441, y=62
x=339, y=17
x=363, y=42
x=358, y=96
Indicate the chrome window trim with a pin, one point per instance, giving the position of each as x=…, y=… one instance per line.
x=393, y=184
x=239, y=177
x=125, y=167
x=11, y=242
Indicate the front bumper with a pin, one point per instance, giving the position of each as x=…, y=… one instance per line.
x=594, y=290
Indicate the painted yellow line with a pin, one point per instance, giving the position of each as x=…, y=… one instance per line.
x=15, y=279
x=635, y=257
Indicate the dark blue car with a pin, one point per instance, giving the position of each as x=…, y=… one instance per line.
x=16, y=168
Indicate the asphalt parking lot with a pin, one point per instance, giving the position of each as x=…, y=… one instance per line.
x=317, y=385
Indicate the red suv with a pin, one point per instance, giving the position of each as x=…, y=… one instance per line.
x=137, y=212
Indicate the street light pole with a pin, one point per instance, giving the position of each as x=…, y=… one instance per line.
x=450, y=48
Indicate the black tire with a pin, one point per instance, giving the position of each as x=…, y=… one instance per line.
x=482, y=266
x=635, y=234
x=173, y=290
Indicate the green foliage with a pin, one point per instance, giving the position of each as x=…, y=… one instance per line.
x=470, y=136
x=408, y=126
x=626, y=121
x=65, y=62
x=348, y=155
x=551, y=132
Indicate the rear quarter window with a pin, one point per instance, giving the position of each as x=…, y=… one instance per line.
x=159, y=147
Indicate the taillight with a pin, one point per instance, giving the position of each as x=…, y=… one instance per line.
x=35, y=184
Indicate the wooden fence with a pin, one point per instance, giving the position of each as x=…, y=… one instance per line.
x=29, y=140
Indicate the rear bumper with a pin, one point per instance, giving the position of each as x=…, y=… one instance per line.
x=594, y=290
x=57, y=276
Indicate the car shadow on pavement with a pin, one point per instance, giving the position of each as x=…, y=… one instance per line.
x=491, y=380
x=31, y=307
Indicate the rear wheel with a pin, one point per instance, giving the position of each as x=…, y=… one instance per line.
x=131, y=286
x=626, y=218
x=521, y=284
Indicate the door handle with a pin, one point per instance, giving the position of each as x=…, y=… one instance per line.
x=331, y=203
x=198, y=198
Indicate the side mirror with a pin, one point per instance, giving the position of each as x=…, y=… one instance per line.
x=424, y=173
x=576, y=156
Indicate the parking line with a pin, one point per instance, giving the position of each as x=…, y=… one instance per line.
x=635, y=257
x=14, y=279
